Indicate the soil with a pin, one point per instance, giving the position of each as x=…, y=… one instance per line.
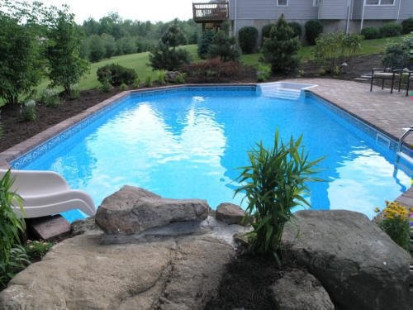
x=245, y=285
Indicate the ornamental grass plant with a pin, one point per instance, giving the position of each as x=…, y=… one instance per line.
x=274, y=183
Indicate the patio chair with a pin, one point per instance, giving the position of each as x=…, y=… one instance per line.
x=46, y=193
x=383, y=74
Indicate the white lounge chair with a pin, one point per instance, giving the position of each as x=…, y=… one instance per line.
x=46, y=193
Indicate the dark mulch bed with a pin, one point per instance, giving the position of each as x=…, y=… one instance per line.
x=246, y=284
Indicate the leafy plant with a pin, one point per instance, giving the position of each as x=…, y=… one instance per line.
x=263, y=72
x=281, y=48
x=11, y=225
x=335, y=48
x=247, y=37
x=180, y=78
x=148, y=81
x=50, y=97
x=265, y=32
x=274, y=183
x=105, y=87
x=396, y=55
x=396, y=223
x=123, y=87
x=313, y=28
x=370, y=33
x=213, y=70
x=28, y=110
x=161, y=77
x=36, y=249
x=390, y=30
x=17, y=262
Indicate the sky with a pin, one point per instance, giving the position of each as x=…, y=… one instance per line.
x=142, y=10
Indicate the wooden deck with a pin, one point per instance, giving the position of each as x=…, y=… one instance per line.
x=210, y=12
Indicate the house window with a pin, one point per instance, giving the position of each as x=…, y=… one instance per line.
x=282, y=2
x=379, y=2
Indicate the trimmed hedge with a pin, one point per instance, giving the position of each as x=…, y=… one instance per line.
x=407, y=25
x=390, y=30
x=313, y=28
x=116, y=75
x=370, y=33
x=298, y=31
x=247, y=37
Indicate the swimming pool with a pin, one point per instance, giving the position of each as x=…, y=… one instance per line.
x=189, y=143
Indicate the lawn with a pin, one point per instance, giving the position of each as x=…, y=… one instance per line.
x=140, y=61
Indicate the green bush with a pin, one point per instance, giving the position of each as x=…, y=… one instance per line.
x=274, y=182
x=161, y=77
x=224, y=47
x=370, y=33
x=335, y=48
x=116, y=75
x=396, y=55
x=265, y=32
x=123, y=87
x=148, y=81
x=50, y=97
x=296, y=28
x=11, y=225
x=28, y=110
x=390, y=30
x=263, y=72
x=37, y=249
x=247, y=38
x=407, y=25
x=281, y=49
x=165, y=58
x=204, y=43
x=313, y=28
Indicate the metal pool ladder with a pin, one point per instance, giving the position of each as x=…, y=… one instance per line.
x=400, y=153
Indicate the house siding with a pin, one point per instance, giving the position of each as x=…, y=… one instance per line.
x=381, y=11
x=333, y=9
x=406, y=9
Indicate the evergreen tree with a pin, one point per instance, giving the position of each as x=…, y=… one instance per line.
x=224, y=47
x=204, y=43
x=281, y=48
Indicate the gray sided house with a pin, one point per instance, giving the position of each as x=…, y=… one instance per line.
x=336, y=15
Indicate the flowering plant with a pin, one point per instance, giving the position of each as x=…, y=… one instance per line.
x=396, y=223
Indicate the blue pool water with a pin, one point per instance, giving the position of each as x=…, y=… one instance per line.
x=189, y=143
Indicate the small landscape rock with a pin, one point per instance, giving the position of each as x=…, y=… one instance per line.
x=230, y=213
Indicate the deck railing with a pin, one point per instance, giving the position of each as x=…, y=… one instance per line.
x=210, y=12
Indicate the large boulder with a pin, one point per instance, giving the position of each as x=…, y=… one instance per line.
x=298, y=290
x=355, y=261
x=133, y=210
x=80, y=273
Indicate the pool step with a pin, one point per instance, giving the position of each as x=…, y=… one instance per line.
x=279, y=92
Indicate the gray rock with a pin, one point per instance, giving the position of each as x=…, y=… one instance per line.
x=229, y=213
x=132, y=210
x=80, y=273
x=84, y=226
x=299, y=290
x=356, y=262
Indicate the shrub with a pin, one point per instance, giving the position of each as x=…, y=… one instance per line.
x=37, y=249
x=370, y=33
x=165, y=58
x=28, y=110
x=333, y=49
x=180, y=79
x=123, y=87
x=115, y=75
x=105, y=87
x=247, y=38
x=407, y=25
x=265, y=32
x=313, y=28
x=296, y=29
x=204, y=43
x=161, y=77
x=390, y=30
x=11, y=225
x=274, y=183
x=213, y=70
x=263, y=72
x=396, y=223
x=50, y=97
x=148, y=81
x=281, y=49
x=224, y=47
x=396, y=55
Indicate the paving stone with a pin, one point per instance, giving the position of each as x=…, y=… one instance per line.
x=49, y=227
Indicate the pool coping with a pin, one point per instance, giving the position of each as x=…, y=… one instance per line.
x=26, y=146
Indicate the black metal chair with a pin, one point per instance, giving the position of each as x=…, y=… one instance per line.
x=383, y=74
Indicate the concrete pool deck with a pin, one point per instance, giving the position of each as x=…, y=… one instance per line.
x=389, y=113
